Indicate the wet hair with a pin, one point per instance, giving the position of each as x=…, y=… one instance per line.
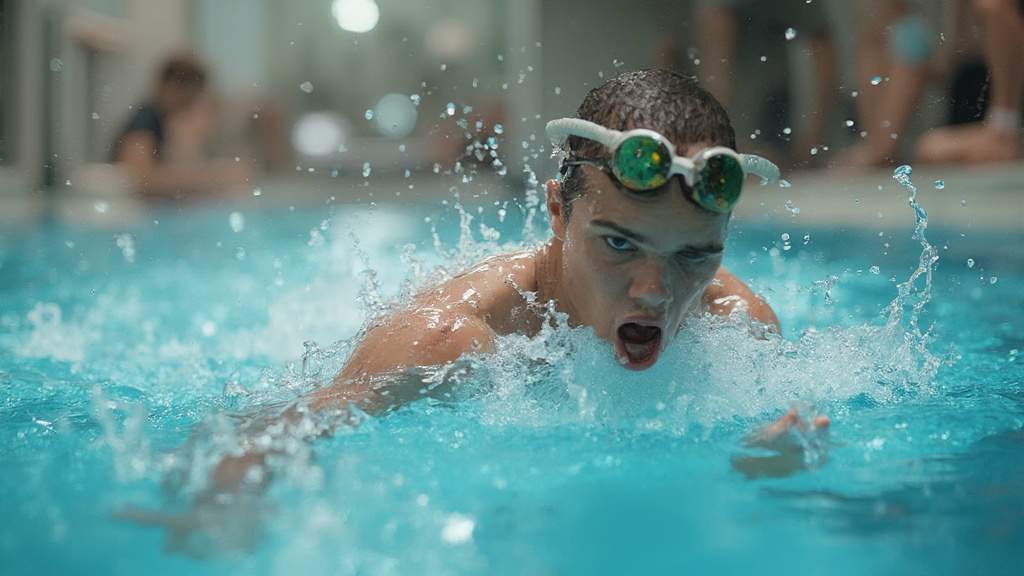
x=184, y=70
x=658, y=99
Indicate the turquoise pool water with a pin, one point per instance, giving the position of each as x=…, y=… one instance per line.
x=118, y=346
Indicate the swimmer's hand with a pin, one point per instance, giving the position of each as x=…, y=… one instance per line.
x=797, y=441
x=223, y=524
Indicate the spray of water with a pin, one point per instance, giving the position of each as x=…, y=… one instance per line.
x=715, y=378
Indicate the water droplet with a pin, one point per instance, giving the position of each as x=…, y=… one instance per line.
x=764, y=58
x=787, y=131
x=450, y=109
x=903, y=172
x=876, y=80
x=992, y=280
x=874, y=270
x=256, y=191
x=237, y=221
x=127, y=245
x=970, y=262
x=963, y=202
x=239, y=253
x=95, y=116
x=209, y=328
x=849, y=123
x=790, y=33
x=56, y=64
x=101, y=206
x=369, y=114
x=458, y=529
x=939, y=184
x=499, y=129
x=784, y=184
x=366, y=169
x=306, y=87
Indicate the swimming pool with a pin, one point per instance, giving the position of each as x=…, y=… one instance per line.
x=116, y=345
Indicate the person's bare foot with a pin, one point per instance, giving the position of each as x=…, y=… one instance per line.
x=971, y=143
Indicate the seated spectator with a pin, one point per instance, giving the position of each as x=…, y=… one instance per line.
x=165, y=144
x=997, y=138
x=735, y=38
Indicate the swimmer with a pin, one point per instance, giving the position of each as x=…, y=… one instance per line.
x=639, y=219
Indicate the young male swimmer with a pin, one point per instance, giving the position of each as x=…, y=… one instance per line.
x=639, y=219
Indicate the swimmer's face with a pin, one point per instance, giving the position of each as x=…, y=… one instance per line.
x=176, y=97
x=632, y=268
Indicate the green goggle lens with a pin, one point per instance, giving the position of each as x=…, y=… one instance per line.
x=719, y=183
x=642, y=163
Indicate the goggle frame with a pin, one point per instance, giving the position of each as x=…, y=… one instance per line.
x=705, y=193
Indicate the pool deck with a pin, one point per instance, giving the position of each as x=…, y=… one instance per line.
x=986, y=197
x=990, y=197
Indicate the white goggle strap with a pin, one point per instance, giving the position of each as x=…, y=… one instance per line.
x=768, y=172
x=559, y=129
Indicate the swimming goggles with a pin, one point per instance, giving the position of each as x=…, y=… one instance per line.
x=643, y=160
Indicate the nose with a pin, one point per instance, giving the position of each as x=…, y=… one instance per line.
x=651, y=284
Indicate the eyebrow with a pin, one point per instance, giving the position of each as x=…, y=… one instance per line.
x=639, y=238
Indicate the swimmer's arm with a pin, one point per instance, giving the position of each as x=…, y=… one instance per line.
x=422, y=337
x=387, y=369
x=728, y=294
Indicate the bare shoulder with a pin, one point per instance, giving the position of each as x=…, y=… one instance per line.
x=727, y=294
x=460, y=316
x=496, y=290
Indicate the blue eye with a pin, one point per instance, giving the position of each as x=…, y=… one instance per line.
x=619, y=244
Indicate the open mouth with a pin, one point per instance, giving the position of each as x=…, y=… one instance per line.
x=638, y=345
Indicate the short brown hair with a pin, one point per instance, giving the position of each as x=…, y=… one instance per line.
x=184, y=70
x=658, y=99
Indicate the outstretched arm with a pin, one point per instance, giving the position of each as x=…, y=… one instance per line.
x=390, y=367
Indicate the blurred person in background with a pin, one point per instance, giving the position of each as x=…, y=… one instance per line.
x=972, y=49
x=996, y=138
x=734, y=33
x=165, y=146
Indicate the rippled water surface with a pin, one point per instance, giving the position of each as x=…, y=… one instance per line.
x=118, y=346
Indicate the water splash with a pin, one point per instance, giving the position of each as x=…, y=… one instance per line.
x=908, y=293
x=914, y=348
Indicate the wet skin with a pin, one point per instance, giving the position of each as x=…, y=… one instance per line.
x=634, y=267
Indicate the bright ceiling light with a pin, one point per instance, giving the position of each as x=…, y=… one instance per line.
x=356, y=15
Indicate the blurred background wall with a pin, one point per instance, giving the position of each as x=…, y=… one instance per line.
x=70, y=70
